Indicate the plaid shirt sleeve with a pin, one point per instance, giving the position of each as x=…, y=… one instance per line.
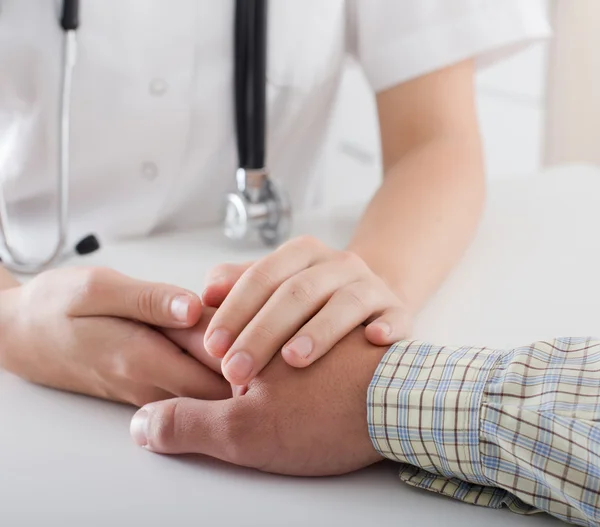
x=518, y=428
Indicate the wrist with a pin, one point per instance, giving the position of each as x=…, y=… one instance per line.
x=364, y=360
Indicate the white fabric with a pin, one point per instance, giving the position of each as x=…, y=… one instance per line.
x=573, y=104
x=153, y=139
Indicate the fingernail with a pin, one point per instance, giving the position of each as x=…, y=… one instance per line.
x=139, y=427
x=218, y=342
x=238, y=391
x=240, y=366
x=384, y=327
x=302, y=347
x=180, y=307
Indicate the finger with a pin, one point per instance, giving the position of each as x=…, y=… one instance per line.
x=289, y=308
x=238, y=391
x=186, y=426
x=393, y=325
x=165, y=367
x=104, y=292
x=220, y=281
x=255, y=287
x=347, y=309
x=226, y=271
x=192, y=340
x=198, y=381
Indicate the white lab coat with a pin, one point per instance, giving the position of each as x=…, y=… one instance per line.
x=153, y=142
x=573, y=107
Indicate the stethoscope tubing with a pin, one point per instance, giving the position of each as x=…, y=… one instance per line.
x=11, y=259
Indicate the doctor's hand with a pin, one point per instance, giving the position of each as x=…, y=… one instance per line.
x=303, y=298
x=88, y=331
x=310, y=422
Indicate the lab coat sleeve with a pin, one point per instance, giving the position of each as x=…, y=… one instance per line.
x=396, y=41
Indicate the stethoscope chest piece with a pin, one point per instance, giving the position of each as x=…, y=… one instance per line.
x=258, y=206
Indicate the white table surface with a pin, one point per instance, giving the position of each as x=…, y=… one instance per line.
x=68, y=461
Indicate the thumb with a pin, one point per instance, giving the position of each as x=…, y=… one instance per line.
x=104, y=292
x=183, y=426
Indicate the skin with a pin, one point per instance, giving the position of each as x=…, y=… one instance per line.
x=305, y=297
x=414, y=231
x=91, y=331
x=426, y=212
x=313, y=422
x=7, y=281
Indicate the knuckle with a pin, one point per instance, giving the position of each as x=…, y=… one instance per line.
x=357, y=296
x=259, y=275
x=307, y=242
x=162, y=426
x=149, y=303
x=352, y=260
x=124, y=368
x=88, y=284
x=92, y=276
x=123, y=363
x=301, y=290
x=262, y=335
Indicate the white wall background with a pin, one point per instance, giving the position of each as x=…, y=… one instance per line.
x=511, y=109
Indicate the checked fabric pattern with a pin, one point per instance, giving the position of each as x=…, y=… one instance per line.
x=518, y=428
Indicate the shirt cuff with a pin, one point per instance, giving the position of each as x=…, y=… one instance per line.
x=424, y=405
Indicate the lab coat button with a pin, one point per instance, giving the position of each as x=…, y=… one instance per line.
x=149, y=171
x=158, y=87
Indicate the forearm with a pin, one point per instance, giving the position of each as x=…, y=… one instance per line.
x=516, y=428
x=7, y=281
x=424, y=216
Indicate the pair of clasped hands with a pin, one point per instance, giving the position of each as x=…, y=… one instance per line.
x=233, y=364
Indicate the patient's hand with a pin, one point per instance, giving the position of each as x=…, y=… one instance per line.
x=307, y=422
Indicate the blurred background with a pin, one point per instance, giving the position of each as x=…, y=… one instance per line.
x=536, y=109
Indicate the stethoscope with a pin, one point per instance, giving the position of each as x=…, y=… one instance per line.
x=257, y=207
